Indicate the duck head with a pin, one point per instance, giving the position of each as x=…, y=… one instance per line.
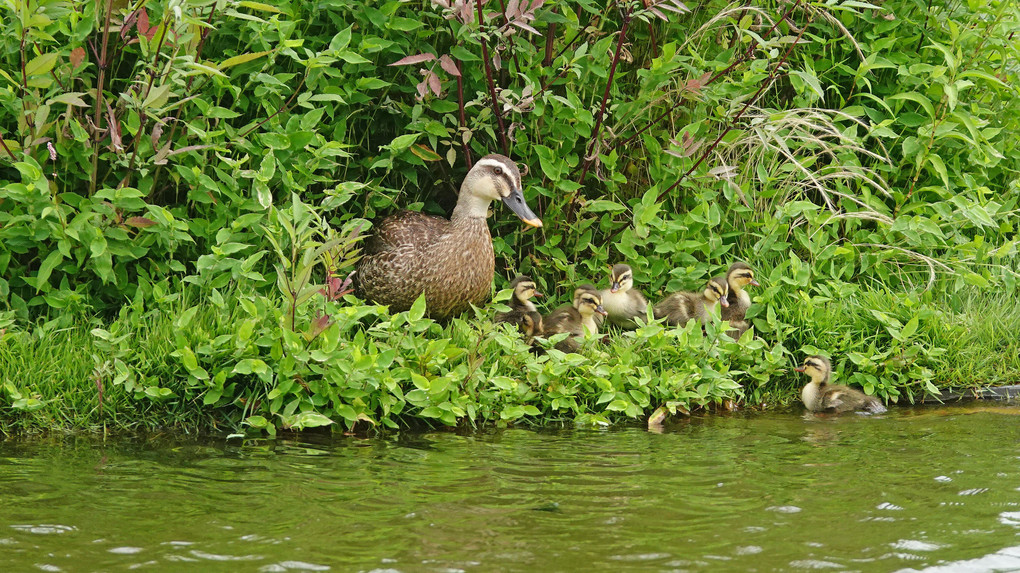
x=496, y=178
x=716, y=291
x=588, y=302
x=621, y=279
x=817, y=367
x=524, y=289
x=739, y=276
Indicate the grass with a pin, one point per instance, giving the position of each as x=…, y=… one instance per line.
x=53, y=377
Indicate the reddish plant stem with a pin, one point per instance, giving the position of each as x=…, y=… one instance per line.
x=463, y=115
x=148, y=90
x=282, y=109
x=492, y=85
x=733, y=121
x=746, y=55
x=550, y=39
x=593, y=144
x=7, y=149
x=103, y=64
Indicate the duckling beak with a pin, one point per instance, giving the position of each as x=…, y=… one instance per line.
x=601, y=310
x=724, y=302
x=754, y=283
x=538, y=294
x=615, y=287
x=515, y=200
x=798, y=369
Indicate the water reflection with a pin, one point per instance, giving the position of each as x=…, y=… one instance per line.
x=912, y=489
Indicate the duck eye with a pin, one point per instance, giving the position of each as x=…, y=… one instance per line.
x=498, y=171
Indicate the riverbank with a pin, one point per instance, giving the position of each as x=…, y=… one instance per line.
x=231, y=363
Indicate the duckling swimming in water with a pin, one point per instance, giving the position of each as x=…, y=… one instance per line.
x=738, y=276
x=578, y=319
x=820, y=396
x=522, y=311
x=622, y=301
x=450, y=260
x=681, y=307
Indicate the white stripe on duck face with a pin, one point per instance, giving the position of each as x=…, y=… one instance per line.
x=509, y=173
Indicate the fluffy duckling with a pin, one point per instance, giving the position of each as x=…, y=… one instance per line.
x=450, y=260
x=681, y=307
x=622, y=302
x=578, y=319
x=738, y=276
x=820, y=396
x=522, y=311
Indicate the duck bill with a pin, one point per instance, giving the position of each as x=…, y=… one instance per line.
x=601, y=310
x=615, y=287
x=724, y=302
x=515, y=200
x=798, y=369
x=754, y=283
x=538, y=294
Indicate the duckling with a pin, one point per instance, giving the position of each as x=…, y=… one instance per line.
x=450, y=260
x=578, y=319
x=820, y=396
x=621, y=300
x=681, y=307
x=738, y=276
x=522, y=308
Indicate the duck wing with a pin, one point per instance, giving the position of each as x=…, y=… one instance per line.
x=563, y=319
x=403, y=229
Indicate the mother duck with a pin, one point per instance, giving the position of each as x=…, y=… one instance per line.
x=450, y=260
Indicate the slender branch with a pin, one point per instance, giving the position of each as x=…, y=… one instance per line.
x=593, y=144
x=488, y=77
x=7, y=149
x=746, y=55
x=773, y=75
x=550, y=39
x=282, y=109
x=100, y=100
x=463, y=115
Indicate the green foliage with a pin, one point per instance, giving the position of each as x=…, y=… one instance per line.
x=208, y=169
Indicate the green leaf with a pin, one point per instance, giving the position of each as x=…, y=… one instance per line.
x=352, y=57
x=940, y=168
x=256, y=421
x=41, y=64
x=417, y=310
x=306, y=420
x=259, y=6
x=243, y=58
x=916, y=98
x=46, y=268
x=909, y=328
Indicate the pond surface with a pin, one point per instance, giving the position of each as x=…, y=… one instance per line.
x=931, y=489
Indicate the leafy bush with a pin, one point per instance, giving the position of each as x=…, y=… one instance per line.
x=859, y=156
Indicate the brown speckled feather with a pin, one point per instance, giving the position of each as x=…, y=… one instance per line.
x=565, y=319
x=410, y=253
x=680, y=307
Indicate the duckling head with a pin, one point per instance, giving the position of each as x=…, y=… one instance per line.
x=524, y=289
x=817, y=367
x=739, y=276
x=588, y=302
x=495, y=177
x=621, y=279
x=716, y=290
x=529, y=326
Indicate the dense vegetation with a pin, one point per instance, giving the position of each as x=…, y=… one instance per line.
x=185, y=183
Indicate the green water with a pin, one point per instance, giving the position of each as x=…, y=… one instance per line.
x=935, y=488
